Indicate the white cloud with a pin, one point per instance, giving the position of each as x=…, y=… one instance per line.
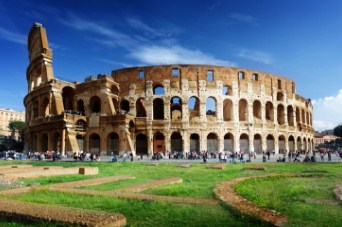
x=327, y=112
x=13, y=37
x=256, y=55
x=244, y=18
x=175, y=55
x=141, y=47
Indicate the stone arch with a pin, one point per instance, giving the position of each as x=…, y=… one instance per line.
x=158, y=109
x=140, y=107
x=158, y=89
x=35, y=109
x=158, y=143
x=228, y=142
x=307, y=118
x=270, y=143
x=176, y=108
x=114, y=89
x=281, y=114
x=257, y=142
x=195, y=142
x=45, y=142
x=269, y=111
x=57, y=142
x=309, y=145
x=115, y=105
x=95, y=104
x=80, y=107
x=113, y=143
x=282, y=144
x=305, y=144
x=124, y=106
x=68, y=94
x=243, y=110
x=176, y=142
x=257, y=109
x=299, y=143
x=303, y=117
x=280, y=97
x=45, y=107
x=80, y=141
x=297, y=115
x=291, y=144
x=227, y=110
x=194, y=107
x=141, y=144
x=244, y=143
x=211, y=106
x=94, y=143
x=227, y=90
x=81, y=126
x=290, y=115
x=34, y=143
x=212, y=142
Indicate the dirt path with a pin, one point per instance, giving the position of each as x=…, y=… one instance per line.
x=144, y=186
x=69, y=216
x=226, y=193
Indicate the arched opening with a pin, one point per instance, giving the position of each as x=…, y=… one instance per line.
x=211, y=106
x=68, y=94
x=45, y=107
x=297, y=115
x=81, y=126
x=280, y=97
x=80, y=107
x=95, y=104
x=299, y=144
x=257, y=110
x=45, y=142
x=227, y=90
x=176, y=108
x=281, y=144
x=124, y=106
x=115, y=90
x=228, y=142
x=193, y=106
x=291, y=144
x=80, y=142
x=113, y=142
x=57, y=142
x=269, y=111
x=304, y=144
x=35, y=109
x=212, y=143
x=176, y=142
x=303, y=117
x=243, y=111
x=270, y=143
x=141, y=144
x=257, y=144
x=194, y=142
x=290, y=116
x=227, y=110
x=159, y=143
x=94, y=143
x=34, y=145
x=140, y=107
x=158, y=109
x=115, y=105
x=158, y=90
x=244, y=143
x=281, y=114
x=309, y=145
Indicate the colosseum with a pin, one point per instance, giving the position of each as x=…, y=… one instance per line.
x=152, y=109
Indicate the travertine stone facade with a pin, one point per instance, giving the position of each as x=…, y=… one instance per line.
x=163, y=108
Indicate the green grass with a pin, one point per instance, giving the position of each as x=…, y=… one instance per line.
x=283, y=194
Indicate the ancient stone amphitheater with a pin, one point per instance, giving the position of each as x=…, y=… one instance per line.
x=162, y=108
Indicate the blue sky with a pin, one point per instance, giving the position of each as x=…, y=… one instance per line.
x=297, y=39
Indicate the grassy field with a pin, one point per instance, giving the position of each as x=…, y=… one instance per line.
x=304, y=200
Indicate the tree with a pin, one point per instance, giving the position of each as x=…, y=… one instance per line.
x=338, y=131
x=19, y=126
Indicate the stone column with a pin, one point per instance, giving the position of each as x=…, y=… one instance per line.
x=63, y=142
x=236, y=142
